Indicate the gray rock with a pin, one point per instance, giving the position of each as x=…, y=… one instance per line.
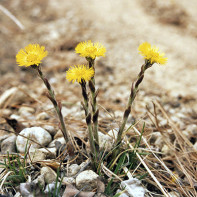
x=40, y=181
x=87, y=179
x=106, y=141
x=50, y=129
x=37, y=134
x=9, y=145
x=37, y=155
x=68, y=180
x=42, y=116
x=14, y=95
x=49, y=174
x=73, y=170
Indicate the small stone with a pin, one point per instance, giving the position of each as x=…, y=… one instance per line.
x=49, y=155
x=69, y=180
x=195, y=146
x=4, y=135
x=122, y=194
x=165, y=149
x=163, y=123
x=51, y=187
x=106, y=140
x=174, y=194
x=49, y=174
x=133, y=187
x=37, y=134
x=37, y=155
x=58, y=134
x=73, y=170
x=61, y=140
x=14, y=116
x=40, y=181
x=6, y=112
x=87, y=178
x=12, y=96
x=9, y=145
x=24, y=110
x=42, y=116
x=50, y=129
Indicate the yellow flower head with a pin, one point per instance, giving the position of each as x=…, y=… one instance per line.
x=79, y=73
x=31, y=55
x=90, y=50
x=152, y=54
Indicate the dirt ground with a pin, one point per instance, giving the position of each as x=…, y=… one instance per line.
x=120, y=25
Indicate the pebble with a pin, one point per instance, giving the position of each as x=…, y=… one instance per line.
x=174, y=194
x=42, y=116
x=37, y=155
x=50, y=129
x=165, y=149
x=69, y=180
x=24, y=110
x=73, y=170
x=61, y=140
x=9, y=145
x=106, y=140
x=87, y=178
x=14, y=95
x=195, y=146
x=40, y=181
x=48, y=174
x=37, y=134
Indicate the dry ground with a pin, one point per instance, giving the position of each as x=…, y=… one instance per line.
x=121, y=25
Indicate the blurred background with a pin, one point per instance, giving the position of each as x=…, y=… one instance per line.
x=120, y=25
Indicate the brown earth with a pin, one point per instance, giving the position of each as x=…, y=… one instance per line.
x=120, y=25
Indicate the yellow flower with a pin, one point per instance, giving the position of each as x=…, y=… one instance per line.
x=90, y=50
x=79, y=73
x=31, y=55
x=152, y=54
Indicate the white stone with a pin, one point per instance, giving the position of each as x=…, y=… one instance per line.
x=73, y=170
x=133, y=187
x=174, y=194
x=24, y=110
x=195, y=146
x=165, y=149
x=106, y=141
x=42, y=116
x=87, y=178
x=37, y=134
x=9, y=145
x=50, y=129
x=69, y=180
x=51, y=154
x=37, y=155
x=49, y=174
x=14, y=116
x=14, y=95
x=61, y=140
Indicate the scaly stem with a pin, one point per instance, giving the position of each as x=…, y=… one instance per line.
x=134, y=90
x=85, y=97
x=94, y=94
x=91, y=140
x=55, y=104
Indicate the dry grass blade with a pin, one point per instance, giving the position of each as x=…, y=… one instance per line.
x=163, y=190
x=12, y=17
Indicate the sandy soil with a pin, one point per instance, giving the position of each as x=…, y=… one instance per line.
x=121, y=25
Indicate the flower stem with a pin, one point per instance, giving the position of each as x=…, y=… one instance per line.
x=134, y=90
x=91, y=140
x=56, y=105
x=94, y=94
x=85, y=97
